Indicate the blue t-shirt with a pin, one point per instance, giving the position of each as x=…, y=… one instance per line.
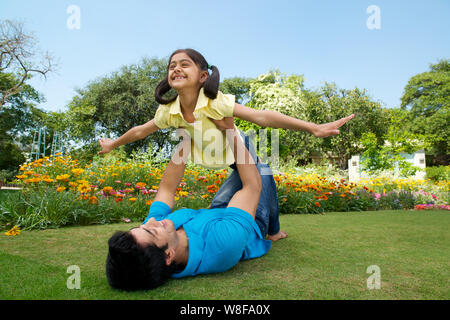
x=218, y=238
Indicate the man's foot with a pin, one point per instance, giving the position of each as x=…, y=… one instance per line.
x=280, y=235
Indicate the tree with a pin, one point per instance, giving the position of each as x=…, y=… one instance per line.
x=397, y=141
x=113, y=104
x=330, y=103
x=17, y=122
x=237, y=86
x=19, y=59
x=427, y=97
x=279, y=92
x=287, y=95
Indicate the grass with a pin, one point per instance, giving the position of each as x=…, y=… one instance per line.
x=324, y=257
x=3, y=193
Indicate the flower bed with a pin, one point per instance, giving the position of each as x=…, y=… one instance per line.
x=59, y=191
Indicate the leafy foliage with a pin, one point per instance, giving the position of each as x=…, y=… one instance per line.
x=114, y=104
x=427, y=97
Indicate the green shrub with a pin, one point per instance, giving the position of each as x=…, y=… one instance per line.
x=439, y=173
x=8, y=175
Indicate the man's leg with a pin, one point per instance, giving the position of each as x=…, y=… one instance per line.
x=267, y=211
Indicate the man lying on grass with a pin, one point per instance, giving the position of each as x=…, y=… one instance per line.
x=188, y=242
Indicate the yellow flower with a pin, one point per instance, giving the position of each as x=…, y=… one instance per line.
x=13, y=232
x=78, y=171
x=155, y=187
x=204, y=196
x=176, y=198
x=21, y=176
x=62, y=177
x=183, y=193
x=84, y=188
x=132, y=199
x=60, y=189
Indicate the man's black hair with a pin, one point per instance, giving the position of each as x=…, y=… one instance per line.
x=132, y=267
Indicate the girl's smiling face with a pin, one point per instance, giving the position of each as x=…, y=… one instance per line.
x=184, y=73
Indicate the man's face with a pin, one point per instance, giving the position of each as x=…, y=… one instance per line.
x=159, y=233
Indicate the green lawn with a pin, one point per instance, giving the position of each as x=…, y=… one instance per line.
x=324, y=257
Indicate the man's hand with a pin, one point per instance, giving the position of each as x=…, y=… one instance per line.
x=331, y=128
x=224, y=124
x=106, y=145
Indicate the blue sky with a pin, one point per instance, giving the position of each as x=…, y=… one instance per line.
x=324, y=40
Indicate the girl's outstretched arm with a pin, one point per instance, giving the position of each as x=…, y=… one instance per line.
x=274, y=119
x=134, y=134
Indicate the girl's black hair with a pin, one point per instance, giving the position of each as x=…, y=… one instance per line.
x=210, y=86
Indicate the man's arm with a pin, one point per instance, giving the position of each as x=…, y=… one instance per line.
x=248, y=197
x=174, y=173
x=134, y=134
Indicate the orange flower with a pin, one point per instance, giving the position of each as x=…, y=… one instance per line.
x=149, y=202
x=107, y=189
x=317, y=204
x=132, y=199
x=13, y=232
x=93, y=200
x=118, y=200
x=140, y=185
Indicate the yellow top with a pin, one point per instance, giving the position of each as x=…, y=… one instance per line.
x=209, y=145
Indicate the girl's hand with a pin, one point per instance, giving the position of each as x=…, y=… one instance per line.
x=330, y=128
x=224, y=124
x=106, y=145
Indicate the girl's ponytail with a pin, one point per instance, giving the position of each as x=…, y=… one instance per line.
x=211, y=85
x=162, y=88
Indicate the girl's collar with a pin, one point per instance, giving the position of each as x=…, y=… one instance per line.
x=202, y=101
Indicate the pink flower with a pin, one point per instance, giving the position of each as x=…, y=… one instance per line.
x=377, y=196
x=128, y=184
x=117, y=181
x=126, y=220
